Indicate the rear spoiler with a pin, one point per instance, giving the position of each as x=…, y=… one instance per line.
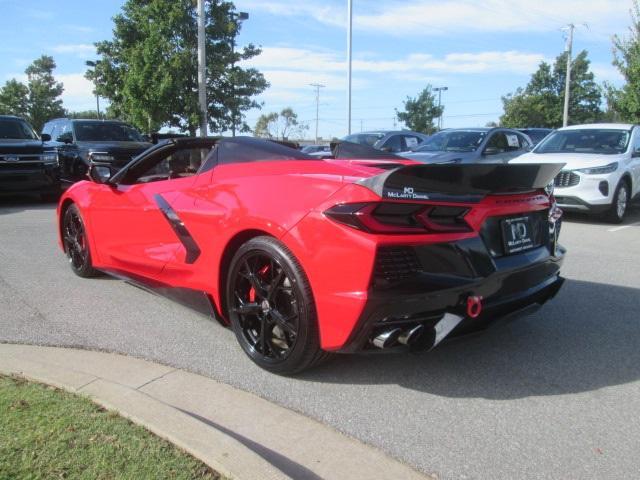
x=460, y=183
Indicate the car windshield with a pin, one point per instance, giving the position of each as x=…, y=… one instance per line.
x=453, y=141
x=16, y=129
x=600, y=141
x=106, y=132
x=369, y=139
x=536, y=134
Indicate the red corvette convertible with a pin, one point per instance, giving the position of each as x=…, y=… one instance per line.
x=303, y=257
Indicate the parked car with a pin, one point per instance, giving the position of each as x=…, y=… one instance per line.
x=601, y=171
x=536, y=134
x=317, y=150
x=27, y=165
x=302, y=256
x=472, y=145
x=389, y=141
x=81, y=142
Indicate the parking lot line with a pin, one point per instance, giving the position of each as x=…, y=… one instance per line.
x=617, y=229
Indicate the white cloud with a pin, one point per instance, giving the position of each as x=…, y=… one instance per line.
x=80, y=49
x=78, y=92
x=456, y=17
x=320, y=11
x=607, y=73
x=308, y=64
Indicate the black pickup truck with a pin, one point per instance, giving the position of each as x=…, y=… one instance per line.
x=27, y=164
x=82, y=142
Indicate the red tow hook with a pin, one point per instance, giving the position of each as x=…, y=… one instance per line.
x=474, y=306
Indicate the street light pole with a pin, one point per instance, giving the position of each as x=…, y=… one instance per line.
x=567, y=85
x=440, y=90
x=202, y=69
x=91, y=63
x=349, y=61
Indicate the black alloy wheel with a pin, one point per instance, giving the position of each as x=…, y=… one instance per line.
x=271, y=308
x=76, y=244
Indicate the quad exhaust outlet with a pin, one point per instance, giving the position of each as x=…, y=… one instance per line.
x=409, y=336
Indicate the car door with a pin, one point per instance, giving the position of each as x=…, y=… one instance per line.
x=135, y=226
x=410, y=142
x=393, y=144
x=632, y=160
x=503, y=146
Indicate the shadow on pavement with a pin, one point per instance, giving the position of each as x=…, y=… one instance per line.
x=20, y=203
x=586, y=339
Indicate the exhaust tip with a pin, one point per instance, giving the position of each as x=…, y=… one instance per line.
x=386, y=339
x=411, y=335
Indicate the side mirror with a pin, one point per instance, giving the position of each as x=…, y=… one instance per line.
x=386, y=149
x=636, y=153
x=100, y=173
x=65, y=138
x=491, y=151
x=45, y=137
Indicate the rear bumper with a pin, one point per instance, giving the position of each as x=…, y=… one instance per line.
x=507, y=285
x=34, y=179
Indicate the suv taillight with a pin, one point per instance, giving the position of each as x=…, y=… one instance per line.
x=400, y=218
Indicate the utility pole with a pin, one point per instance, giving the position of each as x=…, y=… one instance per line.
x=317, y=86
x=567, y=87
x=349, y=61
x=202, y=69
x=440, y=90
x=238, y=18
x=93, y=64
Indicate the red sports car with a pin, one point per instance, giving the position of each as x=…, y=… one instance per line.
x=303, y=257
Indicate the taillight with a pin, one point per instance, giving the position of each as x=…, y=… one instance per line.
x=400, y=218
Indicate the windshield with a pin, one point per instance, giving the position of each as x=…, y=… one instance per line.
x=106, y=132
x=453, y=141
x=600, y=141
x=15, y=129
x=369, y=139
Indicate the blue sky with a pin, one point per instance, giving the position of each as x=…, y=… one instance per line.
x=481, y=50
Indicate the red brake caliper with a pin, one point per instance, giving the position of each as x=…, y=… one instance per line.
x=252, y=292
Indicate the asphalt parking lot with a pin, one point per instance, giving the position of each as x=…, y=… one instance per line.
x=554, y=395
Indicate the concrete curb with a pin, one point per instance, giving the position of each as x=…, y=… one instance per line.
x=236, y=433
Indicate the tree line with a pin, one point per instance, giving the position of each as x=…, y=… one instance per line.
x=540, y=103
x=148, y=71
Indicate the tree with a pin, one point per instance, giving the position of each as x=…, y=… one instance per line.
x=624, y=103
x=149, y=70
x=14, y=99
x=37, y=101
x=281, y=125
x=44, y=102
x=419, y=113
x=541, y=102
x=91, y=115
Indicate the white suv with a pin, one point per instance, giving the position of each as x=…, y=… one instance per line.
x=602, y=171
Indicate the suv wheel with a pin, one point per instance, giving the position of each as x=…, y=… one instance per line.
x=620, y=203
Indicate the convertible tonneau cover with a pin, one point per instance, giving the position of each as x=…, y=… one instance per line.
x=460, y=182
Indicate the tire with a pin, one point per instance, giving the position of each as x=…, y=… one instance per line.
x=76, y=243
x=271, y=308
x=620, y=203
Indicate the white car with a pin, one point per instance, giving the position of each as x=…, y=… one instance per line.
x=602, y=171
